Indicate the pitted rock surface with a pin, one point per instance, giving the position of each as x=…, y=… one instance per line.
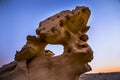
x=33, y=62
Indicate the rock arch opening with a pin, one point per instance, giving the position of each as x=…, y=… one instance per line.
x=56, y=49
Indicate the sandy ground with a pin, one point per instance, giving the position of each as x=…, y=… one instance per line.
x=101, y=76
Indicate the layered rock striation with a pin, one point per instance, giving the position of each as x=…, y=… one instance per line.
x=33, y=62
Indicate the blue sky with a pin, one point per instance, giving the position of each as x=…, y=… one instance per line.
x=19, y=18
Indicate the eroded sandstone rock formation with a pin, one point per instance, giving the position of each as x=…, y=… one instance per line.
x=33, y=62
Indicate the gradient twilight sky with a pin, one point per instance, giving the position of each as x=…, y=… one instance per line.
x=19, y=18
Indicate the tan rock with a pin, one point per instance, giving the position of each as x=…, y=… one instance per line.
x=33, y=48
x=33, y=62
x=20, y=72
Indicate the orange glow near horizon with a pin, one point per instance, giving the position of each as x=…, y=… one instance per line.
x=105, y=70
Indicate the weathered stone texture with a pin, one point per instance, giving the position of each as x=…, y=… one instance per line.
x=33, y=62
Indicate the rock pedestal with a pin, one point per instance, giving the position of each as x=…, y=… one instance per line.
x=33, y=62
